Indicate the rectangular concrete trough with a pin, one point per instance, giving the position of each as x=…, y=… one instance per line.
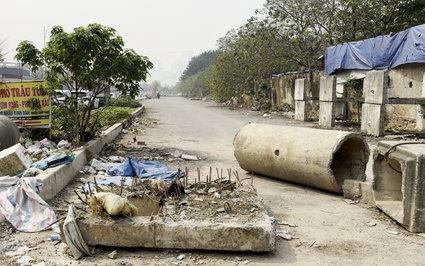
x=398, y=186
x=141, y=231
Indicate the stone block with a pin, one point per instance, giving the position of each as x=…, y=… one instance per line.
x=398, y=188
x=327, y=88
x=327, y=114
x=375, y=87
x=14, y=160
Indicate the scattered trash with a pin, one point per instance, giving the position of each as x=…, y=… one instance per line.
x=287, y=223
x=116, y=159
x=54, y=237
x=73, y=236
x=181, y=257
x=189, y=157
x=112, y=203
x=266, y=115
x=45, y=143
x=21, y=202
x=113, y=255
x=19, y=252
x=371, y=223
x=63, y=144
x=54, y=160
x=350, y=201
x=285, y=235
x=272, y=219
x=393, y=232
x=149, y=169
x=31, y=172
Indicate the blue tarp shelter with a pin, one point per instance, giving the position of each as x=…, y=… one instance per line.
x=382, y=52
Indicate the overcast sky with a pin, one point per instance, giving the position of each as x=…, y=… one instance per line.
x=169, y=32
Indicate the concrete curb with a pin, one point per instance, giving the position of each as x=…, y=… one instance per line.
x=57, y=178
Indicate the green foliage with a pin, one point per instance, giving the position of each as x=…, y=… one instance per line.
x=290, y=35
x=91, y=58
x=354, y=87
x=34, y=103
x=124, y=101
x=102, y=118
x=198, y=63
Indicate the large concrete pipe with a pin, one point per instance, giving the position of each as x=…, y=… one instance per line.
x=317, y=158
x=9, y=133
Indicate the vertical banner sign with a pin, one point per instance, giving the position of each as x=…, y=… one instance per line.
x=25, y=103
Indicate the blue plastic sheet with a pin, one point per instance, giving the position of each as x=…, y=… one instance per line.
x=148, y=169
x=382, y=52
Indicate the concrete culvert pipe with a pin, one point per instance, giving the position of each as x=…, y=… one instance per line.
x=317, y=158
x=9, y=133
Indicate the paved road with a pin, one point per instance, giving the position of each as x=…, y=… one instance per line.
x=329, y=231
x=204, y=127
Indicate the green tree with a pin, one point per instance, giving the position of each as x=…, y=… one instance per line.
x=198, y=64
x=90, y=58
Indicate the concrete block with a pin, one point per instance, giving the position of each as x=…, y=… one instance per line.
x=373, y=119
x=92, y=148
x=57, y=178
x=375, y=87
x=398, y=187
x=351, y=189
x=111, y=133
x=141, y=231
x=357, y=190
x=299, y=94
x=327, y=114
x=327, y=88
x=14, y=160
x=300, y=111
x=48, y=177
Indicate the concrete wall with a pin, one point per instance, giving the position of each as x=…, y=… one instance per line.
x=404, y=82
x=283, y=87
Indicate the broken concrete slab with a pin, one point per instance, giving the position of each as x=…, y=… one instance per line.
x=14, y=160
x=156, y=232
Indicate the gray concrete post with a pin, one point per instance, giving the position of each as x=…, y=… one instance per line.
x=375, y=89
x=327, y=97
x=300, y=100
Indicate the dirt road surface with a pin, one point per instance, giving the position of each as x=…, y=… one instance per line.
x=327, y=230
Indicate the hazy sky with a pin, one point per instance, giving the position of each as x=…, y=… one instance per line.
x=169, y=32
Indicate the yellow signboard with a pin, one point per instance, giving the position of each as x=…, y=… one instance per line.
x=25, y=103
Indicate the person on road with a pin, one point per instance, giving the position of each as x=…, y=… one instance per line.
x=158, y=95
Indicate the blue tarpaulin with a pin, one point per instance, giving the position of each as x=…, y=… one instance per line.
x=382, y=52
x=148, y=169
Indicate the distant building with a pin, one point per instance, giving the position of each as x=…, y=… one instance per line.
x=13, y=72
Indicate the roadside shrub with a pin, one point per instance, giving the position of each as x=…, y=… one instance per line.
x=124, y=101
